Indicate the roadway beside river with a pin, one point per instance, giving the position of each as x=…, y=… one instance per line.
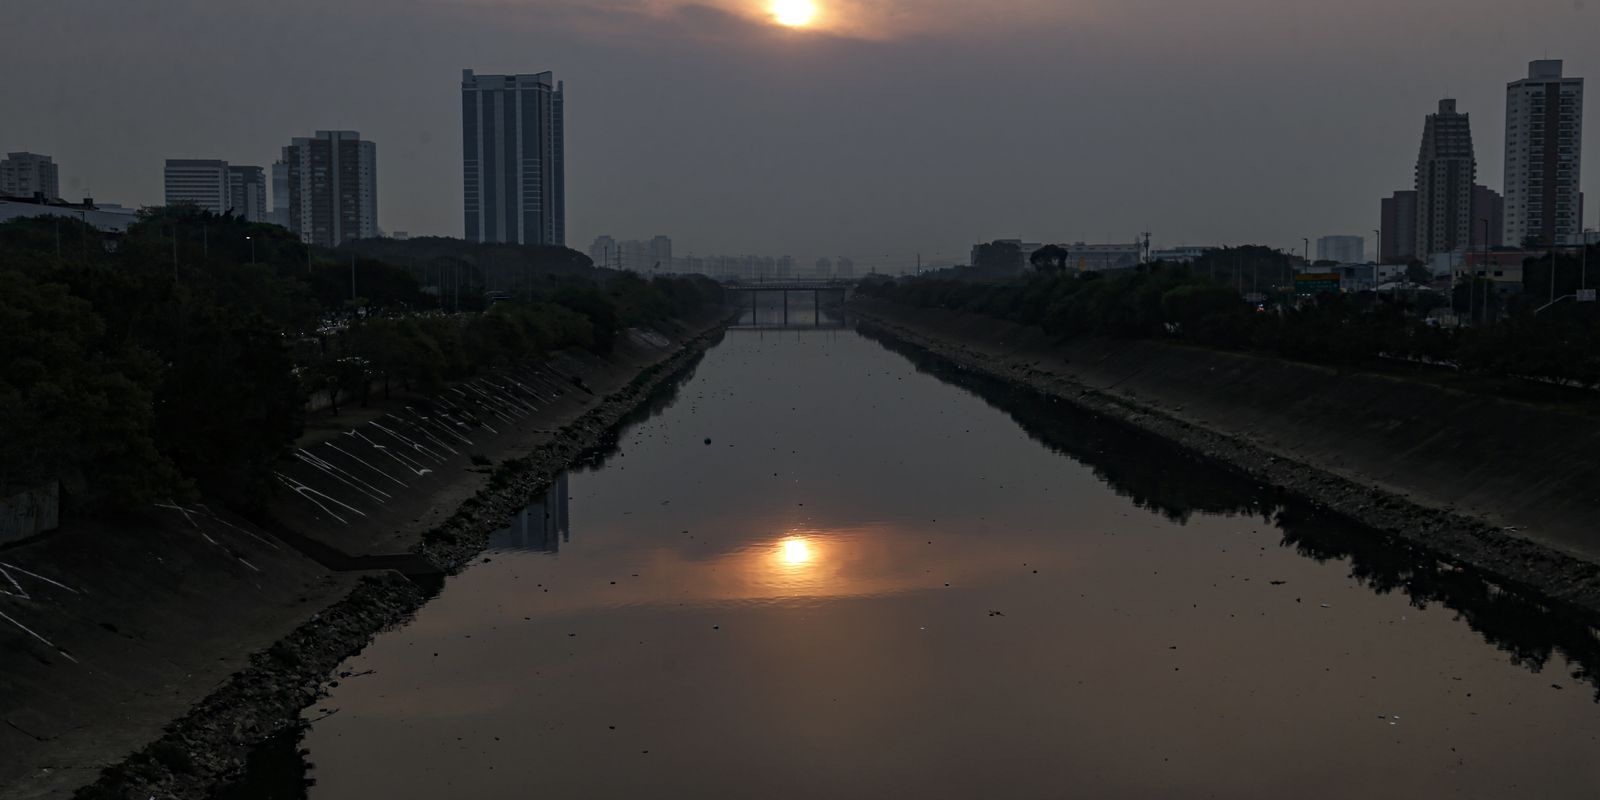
x=1503, y=487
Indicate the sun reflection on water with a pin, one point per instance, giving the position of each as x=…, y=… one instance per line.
x=795, y=551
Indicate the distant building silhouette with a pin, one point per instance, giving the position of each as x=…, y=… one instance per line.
x=1544, y=157
x=333, y=187
x=604, y=252
x=27, y=174
x=661, y=254
x=247, y=193
x=201, y=181
x=1446, y=173
x=1343, y=249
x=1399, y=228
x=1488, y=207
x=514, y=158
x=280, y=194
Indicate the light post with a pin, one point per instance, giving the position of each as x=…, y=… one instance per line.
x=252, y=242
x=1583, y=273
x=1377, y=257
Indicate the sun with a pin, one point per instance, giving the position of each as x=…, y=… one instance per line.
x=794, y=13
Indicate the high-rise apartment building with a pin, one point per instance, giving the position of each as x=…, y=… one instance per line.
x=661, y=254
x=514, y=158
x=1399, y=228
x=1544, y=157
x=1343, y=249
x=280, y=194
x=27, y=174
x=201, y=181
x=333, y=187
x=1446, y=172
x=247, y=193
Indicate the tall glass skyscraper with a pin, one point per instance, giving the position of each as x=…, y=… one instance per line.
x=513, y=163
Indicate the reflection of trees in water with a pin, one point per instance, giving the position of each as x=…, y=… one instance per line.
x=1151, y=472
x=664, y=396
x=1528, y=630
x=1158, y=476
x=276, y=770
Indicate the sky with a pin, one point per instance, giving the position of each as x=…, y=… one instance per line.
x=885, y=129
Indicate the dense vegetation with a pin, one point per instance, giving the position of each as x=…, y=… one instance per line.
x=177, y=360
x=1202, y=303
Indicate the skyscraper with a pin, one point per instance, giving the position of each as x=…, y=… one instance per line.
x=247, y=193
x=1544, y=156
x=201, y=181
x=1446, y=173
x=333, y=187
x=24, y=174
x=1399, y=227
x=513, y=158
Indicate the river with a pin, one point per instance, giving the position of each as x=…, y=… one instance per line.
x=824, y=566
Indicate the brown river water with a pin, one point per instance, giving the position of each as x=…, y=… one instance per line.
x=885, y=577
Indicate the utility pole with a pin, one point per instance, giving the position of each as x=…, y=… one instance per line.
x=1487, y=285
x=352, y=278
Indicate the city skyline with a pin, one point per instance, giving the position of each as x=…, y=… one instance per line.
x=785, y=144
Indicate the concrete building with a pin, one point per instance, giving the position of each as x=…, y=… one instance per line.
x=1488, y=215
x=1399, y=228
x=845, y=268
x=247, y=193
x=1179, y=255
x=333, y=187
x=1544, y=157
x=280, y=194
x=634, y=255
x=29, y=174
x=824, y=267
x=107, y=217
x=514, y=158
x=603, y=252
x=1343, y=249
x=1446, y=172
x=201, y=181
x=661, y=254
x=1102, y=257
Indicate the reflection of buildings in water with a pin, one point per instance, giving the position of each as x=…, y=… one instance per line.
x=541, y=527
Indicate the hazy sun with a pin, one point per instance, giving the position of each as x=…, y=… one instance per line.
x=794, y=13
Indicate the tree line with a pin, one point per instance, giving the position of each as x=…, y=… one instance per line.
x=176, y=360
x=1202, y=303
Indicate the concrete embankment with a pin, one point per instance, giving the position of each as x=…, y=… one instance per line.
x=1507, y=487
x=144, y=658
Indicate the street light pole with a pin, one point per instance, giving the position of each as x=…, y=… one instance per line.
x=252, y=242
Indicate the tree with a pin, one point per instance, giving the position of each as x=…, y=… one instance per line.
x=1418, y=272
x=76, y=406
x=1050, y=259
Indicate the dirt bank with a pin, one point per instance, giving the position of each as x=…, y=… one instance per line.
x=1423, y=464
x=221, y=624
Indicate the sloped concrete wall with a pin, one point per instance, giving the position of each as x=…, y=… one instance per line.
x=1531, y=468
x=30, y=513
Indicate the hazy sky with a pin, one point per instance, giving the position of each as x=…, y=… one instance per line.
x=892, y=126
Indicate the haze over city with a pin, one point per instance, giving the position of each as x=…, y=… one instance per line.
x=876, y=130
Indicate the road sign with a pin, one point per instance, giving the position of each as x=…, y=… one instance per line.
x=1316, y=282
x=1586, y=295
